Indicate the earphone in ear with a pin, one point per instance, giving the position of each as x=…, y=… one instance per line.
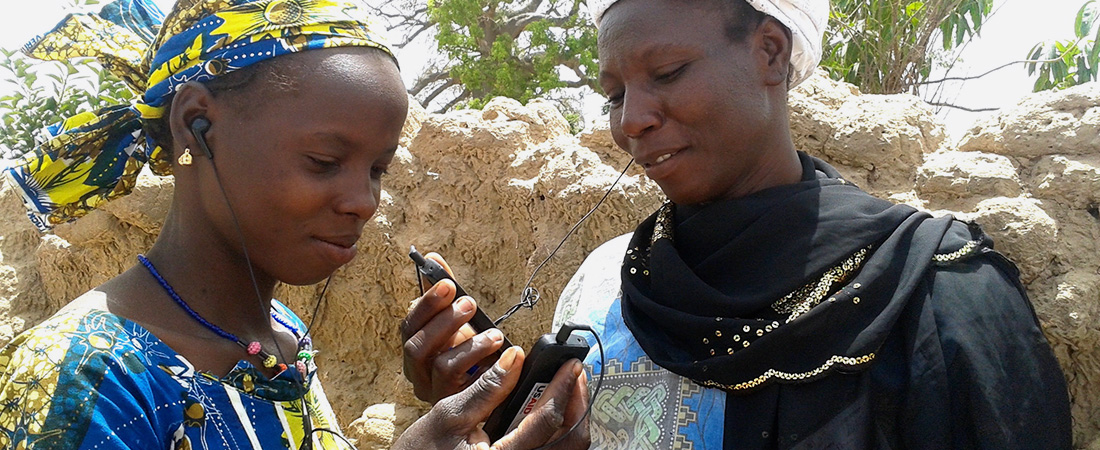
x=198, y=128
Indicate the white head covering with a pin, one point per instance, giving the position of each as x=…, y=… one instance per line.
x=805, y=18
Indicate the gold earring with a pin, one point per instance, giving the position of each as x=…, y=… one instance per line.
x=185, y=158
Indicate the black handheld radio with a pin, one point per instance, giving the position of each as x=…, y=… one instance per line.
x=542, y=362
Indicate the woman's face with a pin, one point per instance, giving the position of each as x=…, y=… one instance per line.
x=302, y=168
x=690, y=105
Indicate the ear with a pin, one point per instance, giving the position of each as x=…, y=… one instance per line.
x=191, y=100
x=775, y=41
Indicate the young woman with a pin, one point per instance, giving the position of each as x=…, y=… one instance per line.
x=277, y=119
x=770, y=303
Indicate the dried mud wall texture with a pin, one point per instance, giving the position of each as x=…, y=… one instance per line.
x=495, y=190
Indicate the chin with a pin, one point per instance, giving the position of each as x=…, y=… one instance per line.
x=305, y=281
x=682, y=196
x=307, y=277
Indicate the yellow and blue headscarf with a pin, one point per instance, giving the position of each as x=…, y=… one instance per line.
x=94, y=157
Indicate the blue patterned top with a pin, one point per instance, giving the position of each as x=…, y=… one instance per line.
x=641, y=406
x=89, y=379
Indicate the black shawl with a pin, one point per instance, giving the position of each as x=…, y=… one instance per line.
x=793, y=284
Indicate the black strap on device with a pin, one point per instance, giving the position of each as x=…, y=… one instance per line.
x=434, y=272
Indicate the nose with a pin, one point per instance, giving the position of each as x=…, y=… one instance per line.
x=360, y=200
x=641, y=113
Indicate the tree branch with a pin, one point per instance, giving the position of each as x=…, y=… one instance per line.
x=410, y=37
x=439, y=90
x=461, y=96
x=427, y=79
x=1002, y=66
x=949, y=105
x=530, y=7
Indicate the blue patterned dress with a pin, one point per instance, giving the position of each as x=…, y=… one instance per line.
x=89, y=379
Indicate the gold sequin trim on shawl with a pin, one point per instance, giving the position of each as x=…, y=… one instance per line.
x=806, y=297
x=772, y=373
x=662, y=229
x=966, y=250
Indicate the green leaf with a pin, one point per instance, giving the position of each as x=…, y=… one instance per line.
x=1040, y=82
x=1083, y=23
x=947, y=29
x=913, y=8
x=976, y=15
x=1058, y=70
x=1034, y=55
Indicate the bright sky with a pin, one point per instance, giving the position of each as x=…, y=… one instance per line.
x=1015, y=27
x=1008, y=35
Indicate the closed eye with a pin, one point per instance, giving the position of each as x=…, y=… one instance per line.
x=672, y=75
x=323, y=164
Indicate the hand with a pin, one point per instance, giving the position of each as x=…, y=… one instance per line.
x=439, y=347
x=453, y=421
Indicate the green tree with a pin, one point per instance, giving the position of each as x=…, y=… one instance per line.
x=1065, y=63
x=888, y=46
x=515, y=48
x=36, y=94
x=43, y=93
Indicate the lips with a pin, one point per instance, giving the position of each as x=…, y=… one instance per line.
x=345, y=241
x=661, y=157
x=338, y=249
x=662, y=164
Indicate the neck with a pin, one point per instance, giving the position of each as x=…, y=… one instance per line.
x=213, y=279
x=777, y=164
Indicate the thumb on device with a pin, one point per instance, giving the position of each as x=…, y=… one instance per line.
x=560, y=406
x=476, y=402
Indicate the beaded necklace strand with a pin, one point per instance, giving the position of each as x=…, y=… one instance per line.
x=254, y=347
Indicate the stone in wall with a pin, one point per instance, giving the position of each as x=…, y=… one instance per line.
x=1062, y=123
x=949, y=179
x=23, y=299
x=873, y=140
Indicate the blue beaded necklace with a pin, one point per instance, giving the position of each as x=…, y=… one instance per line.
x=254, y=347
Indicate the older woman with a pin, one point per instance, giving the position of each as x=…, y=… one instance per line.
x=278, y=119
x=770, y=303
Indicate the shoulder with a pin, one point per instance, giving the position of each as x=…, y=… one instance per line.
x=973, y=335
x=969, y=280
x=596, y=282
x=58, y=376
x=73, y=345
x=59, y=334
x=973, y=314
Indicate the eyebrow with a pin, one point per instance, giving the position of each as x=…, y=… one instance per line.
x=344, y=143
x=655, y=49
x=661, y=48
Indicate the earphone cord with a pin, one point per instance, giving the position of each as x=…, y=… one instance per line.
x=266, y=309
x=530, y=295
x=307, y=440
x=307, y=436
